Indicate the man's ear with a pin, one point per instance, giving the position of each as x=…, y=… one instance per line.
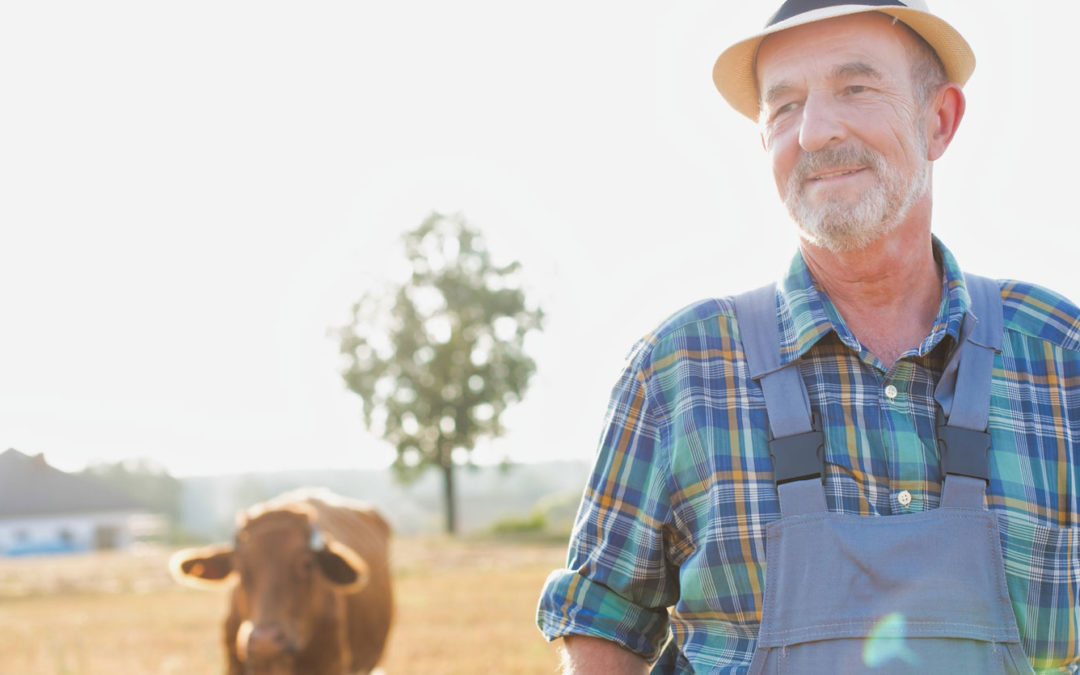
x=946, y=110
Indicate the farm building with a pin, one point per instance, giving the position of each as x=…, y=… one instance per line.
x=45, y=510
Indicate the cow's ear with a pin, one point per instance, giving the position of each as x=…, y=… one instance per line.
x=343, y=567
x=201, y=567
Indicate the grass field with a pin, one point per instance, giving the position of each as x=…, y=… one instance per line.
x=462, y=607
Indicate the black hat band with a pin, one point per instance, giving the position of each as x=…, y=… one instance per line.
x=795, y=7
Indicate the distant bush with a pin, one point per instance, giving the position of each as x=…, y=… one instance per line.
x=551, y=518
x=533, y=523
x=559, y=510
x=147, y=482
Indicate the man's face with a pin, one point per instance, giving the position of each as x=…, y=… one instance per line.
x=840, y=122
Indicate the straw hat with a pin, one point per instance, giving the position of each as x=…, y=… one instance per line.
x=734, y=70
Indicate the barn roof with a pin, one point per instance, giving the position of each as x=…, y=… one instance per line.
x=30, y=487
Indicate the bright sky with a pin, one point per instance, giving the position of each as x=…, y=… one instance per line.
x=192, y=194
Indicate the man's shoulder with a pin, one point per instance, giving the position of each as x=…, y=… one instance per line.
x=701, y=326
x=1041, y=313
x=703, y=314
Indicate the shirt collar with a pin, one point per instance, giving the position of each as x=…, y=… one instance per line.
x=807, y=313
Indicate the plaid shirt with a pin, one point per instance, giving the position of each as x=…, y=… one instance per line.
x=674, y=514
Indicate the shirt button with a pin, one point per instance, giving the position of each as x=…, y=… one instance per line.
x=890, y=392
x=904, y=498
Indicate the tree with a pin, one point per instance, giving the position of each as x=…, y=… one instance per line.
x=437, y=360
x=145, y=481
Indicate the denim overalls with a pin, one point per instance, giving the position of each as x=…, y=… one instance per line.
x=915, y=593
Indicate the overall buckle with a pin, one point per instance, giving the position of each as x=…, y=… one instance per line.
x=799, y=456
x=962, y=452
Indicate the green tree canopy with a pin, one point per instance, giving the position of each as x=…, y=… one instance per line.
x=437, y=360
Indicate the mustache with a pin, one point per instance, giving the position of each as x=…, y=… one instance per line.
x=828, y=158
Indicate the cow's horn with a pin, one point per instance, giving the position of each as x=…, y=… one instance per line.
x=316, y=541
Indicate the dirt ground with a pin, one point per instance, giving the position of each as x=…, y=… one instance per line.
x=462, y=607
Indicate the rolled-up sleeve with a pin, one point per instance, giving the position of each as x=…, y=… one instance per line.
x=618, y=584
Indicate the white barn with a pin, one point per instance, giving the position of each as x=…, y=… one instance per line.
x=45, y=510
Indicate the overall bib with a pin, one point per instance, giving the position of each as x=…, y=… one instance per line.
x=915, y=593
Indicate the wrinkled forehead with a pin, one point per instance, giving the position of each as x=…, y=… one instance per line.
x=886, y=38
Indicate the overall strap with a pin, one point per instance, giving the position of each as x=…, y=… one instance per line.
x=963, y=397
x=796, y=447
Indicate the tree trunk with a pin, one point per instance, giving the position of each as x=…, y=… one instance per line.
x=450, y=499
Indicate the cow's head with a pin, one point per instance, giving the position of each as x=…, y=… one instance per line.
x=290, y=581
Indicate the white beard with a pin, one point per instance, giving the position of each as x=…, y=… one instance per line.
x=841, y=225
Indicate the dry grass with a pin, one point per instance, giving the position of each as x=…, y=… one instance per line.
x=463, y=607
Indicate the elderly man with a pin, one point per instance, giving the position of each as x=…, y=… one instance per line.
x=869, y=467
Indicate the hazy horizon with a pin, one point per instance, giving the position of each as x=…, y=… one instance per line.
x=195, y=194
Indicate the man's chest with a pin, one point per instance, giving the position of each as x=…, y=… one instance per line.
x=881, y=459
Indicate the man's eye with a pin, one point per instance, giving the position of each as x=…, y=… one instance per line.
x=856, y=89
x=786, y=108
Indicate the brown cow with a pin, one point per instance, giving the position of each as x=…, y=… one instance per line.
x=314, y=586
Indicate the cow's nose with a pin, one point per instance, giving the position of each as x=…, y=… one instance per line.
x=265, y=642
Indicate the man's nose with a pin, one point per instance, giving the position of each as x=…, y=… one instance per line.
x=821, y=124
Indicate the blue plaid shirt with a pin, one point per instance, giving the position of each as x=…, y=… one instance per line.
x=670, y=536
